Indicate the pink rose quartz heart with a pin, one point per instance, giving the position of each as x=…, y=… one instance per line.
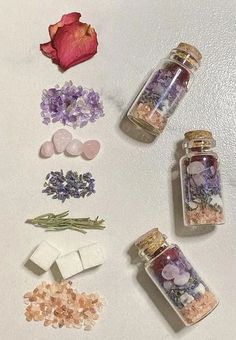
x=91, y=149
x=47, y=149
x=195, y=168
x=74, y=148
x=182, y=279
x=170, y=271
x=61, y=139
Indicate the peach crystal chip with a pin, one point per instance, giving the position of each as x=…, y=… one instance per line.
x=196, y=310
x=150, y=115
x=204, y=215
x=58, y=305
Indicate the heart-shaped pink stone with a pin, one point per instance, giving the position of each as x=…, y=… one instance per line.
x=182, y=279
x=61, y=139
x=91, y=149
x=170, y=271
x=74, y=148
x=47, y=149
x=195, y=167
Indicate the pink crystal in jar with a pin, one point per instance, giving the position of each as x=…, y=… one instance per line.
x=201, y=186
x=182, y=286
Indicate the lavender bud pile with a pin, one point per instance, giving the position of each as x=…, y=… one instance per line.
x=63, y=187
x=71, y=105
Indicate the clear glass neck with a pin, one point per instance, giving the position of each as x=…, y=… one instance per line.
x=198, y=145
x=185, y=59
x=147, y=257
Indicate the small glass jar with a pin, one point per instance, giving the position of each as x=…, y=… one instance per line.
x=200, y=180
x=165, y=88
x=175, y=277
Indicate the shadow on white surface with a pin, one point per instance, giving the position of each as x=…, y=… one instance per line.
x=154, y=294
x=180, y=229
x=135, y=132
x=56, y=272
x=33, y=268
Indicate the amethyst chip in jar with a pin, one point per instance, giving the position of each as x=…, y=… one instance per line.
x=165, y=88
x=201, y=180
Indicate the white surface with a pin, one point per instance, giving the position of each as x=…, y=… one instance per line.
x=92, y=255
x=137, y=184
x=44, y=255
x=69, y=264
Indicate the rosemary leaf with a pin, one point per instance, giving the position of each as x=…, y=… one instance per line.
x=57, y=222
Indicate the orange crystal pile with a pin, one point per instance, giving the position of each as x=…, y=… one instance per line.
x=58, y=305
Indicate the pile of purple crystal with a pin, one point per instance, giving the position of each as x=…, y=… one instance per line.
x=71, y=105
x=71, y=184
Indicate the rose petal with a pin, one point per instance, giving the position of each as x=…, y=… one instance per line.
x=75, y=43
x=72, y=42
x=49, y=51
x=66, y=19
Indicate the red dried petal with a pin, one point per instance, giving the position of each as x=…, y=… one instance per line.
x=172, y=254
x=72, y=42
x=75, y=43
x=66, y=19
x=168, y=255
x=49, y=51
x=159, y=263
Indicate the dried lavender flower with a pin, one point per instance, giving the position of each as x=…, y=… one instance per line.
x=71, y=105
x=63, y=187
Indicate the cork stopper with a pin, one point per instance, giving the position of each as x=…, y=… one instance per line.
x=198, y=134
x=150, y=242
x=190, y=49
x=198, y=138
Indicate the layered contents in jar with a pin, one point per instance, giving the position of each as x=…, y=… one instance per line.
x=161, y=96
x=181, y=284
x=202, y=191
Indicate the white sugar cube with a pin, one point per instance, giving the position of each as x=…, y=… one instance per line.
x=44, y=255
x=69, y=264
x=92, y=255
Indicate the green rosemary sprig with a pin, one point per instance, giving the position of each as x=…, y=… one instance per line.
x=53, y=222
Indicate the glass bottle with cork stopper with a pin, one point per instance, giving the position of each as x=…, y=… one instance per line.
x=165, y=88
x=200, y=180
x=175, y=277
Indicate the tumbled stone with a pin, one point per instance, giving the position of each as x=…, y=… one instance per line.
x=47, y=149
x=91, y=149
x=61, y=139
x=74, y=148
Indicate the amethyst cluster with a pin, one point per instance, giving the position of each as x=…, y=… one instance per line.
x=71, y=105
x=164, y=89
x=71, y=184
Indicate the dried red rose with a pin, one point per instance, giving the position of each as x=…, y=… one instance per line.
x=170, y=254
x=72, y=41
